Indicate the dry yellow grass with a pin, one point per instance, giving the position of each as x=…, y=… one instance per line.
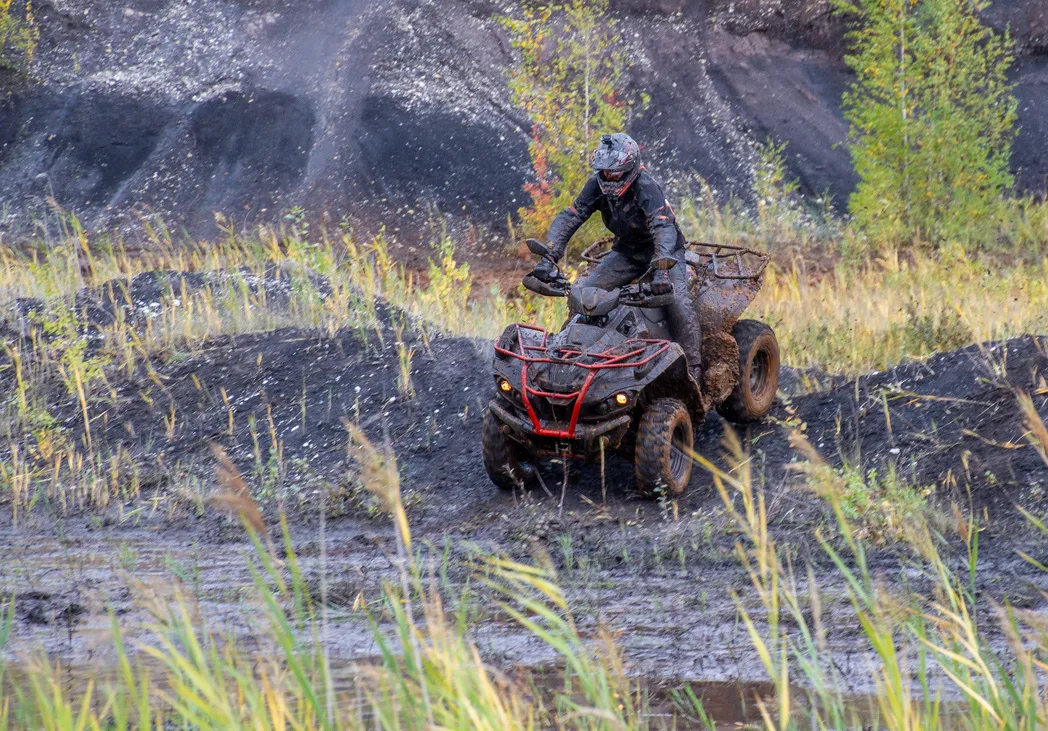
x=860, y=318
x=851, y=320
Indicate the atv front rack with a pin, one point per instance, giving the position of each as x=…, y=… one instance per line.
x=633, y=353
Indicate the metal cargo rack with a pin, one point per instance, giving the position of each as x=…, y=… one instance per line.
x=725, y=261
x=722, y=261
x=593, y=254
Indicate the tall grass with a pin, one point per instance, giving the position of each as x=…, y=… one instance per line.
x=848, y=319
x=428, y=673
x=842, y=303
x=290, y=277
x=854, y=319
x=933, y=663
x=932, y=658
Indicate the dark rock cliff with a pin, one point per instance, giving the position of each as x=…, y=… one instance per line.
x=374, y=108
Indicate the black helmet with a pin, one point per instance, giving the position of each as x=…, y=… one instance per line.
x=617, y=163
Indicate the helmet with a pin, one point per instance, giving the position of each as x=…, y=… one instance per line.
x=617, y=163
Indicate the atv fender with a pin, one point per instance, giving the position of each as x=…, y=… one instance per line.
x=669, y=378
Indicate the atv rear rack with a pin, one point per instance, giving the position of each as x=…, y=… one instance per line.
x=723, y=261
x=633, y=353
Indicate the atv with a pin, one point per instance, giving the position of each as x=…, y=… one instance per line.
x=613, y=381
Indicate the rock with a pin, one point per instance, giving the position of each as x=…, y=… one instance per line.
x=382, y=111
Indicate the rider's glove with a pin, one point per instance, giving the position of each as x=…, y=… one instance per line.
x=661, y=284
x=545, y=271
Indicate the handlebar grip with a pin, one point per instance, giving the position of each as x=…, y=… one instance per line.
x=546, y=289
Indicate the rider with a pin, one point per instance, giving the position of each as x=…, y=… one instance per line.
x=634, y=208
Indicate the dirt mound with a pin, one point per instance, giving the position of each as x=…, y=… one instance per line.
x=380, y=109
x=951, y=421
x=144, y=296
x=277, y=402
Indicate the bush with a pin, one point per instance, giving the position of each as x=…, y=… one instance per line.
x=932, y=119
x=18, y=37
x=879, y=505
x=567, y=79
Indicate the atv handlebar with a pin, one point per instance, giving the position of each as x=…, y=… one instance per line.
x=557, y=288
x=638, y=294
x=634, y=295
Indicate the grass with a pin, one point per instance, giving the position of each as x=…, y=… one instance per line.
x=427, y=674
x=935, y=663
x=259, y=283
x=847, y=319
x=856, y=319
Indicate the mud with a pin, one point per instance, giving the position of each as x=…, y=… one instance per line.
x=660, y=575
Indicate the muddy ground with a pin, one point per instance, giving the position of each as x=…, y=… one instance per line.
x=661, y=575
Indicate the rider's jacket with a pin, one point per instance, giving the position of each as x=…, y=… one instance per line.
x=643, y=223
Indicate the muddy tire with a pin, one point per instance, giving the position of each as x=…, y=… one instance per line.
x=662, y=465
x=502, y=458
x=754, y=393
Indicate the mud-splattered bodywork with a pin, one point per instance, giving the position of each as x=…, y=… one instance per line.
x=556, y=393
x=564, y=394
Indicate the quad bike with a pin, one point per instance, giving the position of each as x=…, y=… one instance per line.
x=612, y=380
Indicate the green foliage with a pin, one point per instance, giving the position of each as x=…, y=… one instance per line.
x=18, y=37
x=879, y=505
x=932, y=119
x=778, y=213
x=567, y=79
x=450, y=283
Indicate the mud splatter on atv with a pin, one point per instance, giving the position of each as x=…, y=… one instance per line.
x=612, y=380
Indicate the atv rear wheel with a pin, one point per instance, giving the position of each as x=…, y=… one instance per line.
x=502, y=457
x=754, y=394
x=661, y=458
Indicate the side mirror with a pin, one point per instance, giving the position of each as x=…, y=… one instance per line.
x=664, y=264
x=538, y=248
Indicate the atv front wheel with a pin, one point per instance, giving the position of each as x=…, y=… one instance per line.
x=661, y=457
x=754, y=394
x=501, y=457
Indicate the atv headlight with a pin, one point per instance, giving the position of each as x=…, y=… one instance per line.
x=618, y=402
x=505, y=389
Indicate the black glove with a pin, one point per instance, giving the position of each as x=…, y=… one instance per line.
x=661, y=284
x=545, y=271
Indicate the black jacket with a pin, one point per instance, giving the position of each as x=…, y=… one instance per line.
x=643, y=222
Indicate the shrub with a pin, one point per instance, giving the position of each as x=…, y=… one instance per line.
x=932, y=119
x=879, y=505
x=18, y=37
x=567, y=79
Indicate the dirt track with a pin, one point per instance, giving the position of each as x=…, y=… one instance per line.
x=660, y=575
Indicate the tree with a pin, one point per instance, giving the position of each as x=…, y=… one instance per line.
x=568, y=78
x=18, y=37
x=932, y=118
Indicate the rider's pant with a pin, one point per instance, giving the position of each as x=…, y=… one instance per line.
x=619, y=268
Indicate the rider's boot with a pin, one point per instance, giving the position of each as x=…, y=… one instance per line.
x=684, y=321
x=695, y=371
x=694, y=365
